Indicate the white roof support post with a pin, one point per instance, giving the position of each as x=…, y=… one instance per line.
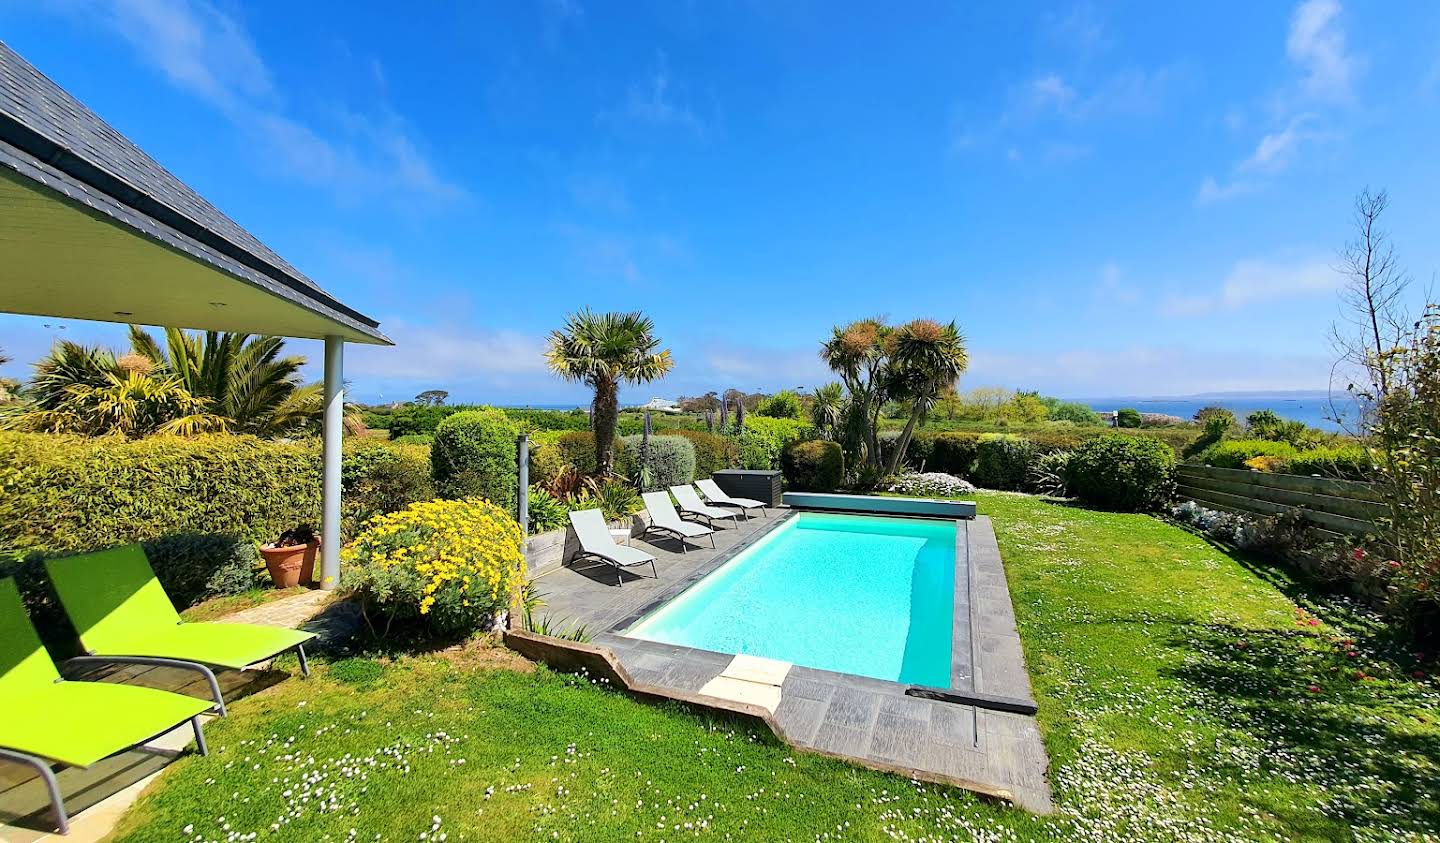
x=334, y=432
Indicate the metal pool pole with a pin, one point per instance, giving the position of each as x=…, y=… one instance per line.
x=522, y=461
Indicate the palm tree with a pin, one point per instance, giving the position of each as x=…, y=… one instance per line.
x=132, y=404
x=8, y=386
x=602, y=350
x=243, y=376
x=69, y=364
x=926, y=359
x=857, y=353
x=827, y=410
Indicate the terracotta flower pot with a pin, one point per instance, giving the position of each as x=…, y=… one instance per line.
x=290, y=566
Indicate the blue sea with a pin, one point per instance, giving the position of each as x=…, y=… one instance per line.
x=1313, y=409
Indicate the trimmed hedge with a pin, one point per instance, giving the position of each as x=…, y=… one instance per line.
x=815, y=465
x=763, y=439
x=1347, y=462
x=474, y=456
x=535, y=421
x=378, y=478
x=1233, y=453
x=1002, y=462
x=712, y=453
x=671, y=460
x=61, y=494
x=199, y=505
x=577, y=448
x=1128, y=473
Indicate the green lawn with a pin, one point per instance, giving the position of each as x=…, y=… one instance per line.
x=1184, y=695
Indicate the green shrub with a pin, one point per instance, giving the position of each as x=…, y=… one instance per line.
x=1002, y=462
x=671, y=461
x=199, y=505
x=712, y=453
x=547, y=512
x=1128, y=417
x=377, y=478
x=535, y=421
x=1233, y=453
x=763, y=438
x=61, y=494
x=414, y=439
x=577, y=449
x=815, y=465
x=198, y=566
x=1046, y=475
x=546, y=460
x=1346, y=462
x=1127, y=473
x=1075, y=413
x=950, y=452
x=452, y=566
x=613, y=498
x=474, y=456
x=782, y=405
x=411, y=419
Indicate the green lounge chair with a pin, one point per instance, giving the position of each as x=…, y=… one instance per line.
x=123, y=615
x=45, y=719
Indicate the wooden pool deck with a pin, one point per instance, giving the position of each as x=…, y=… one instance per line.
x=981, y=734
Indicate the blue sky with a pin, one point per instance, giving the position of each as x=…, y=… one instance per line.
x=1129, y=198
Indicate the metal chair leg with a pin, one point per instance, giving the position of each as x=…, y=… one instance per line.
x=304, y=663
x=62, y=820
x=199, y=736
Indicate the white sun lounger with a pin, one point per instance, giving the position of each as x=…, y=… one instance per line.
x=719, y=498
x=597, y=543
x=690, y=504
x=664, y=519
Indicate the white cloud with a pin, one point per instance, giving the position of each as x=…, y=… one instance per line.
x=1050, y=91
x=1050, y=100
x=1112, y=286
x=1213, y=191
x=1276, y=150
x=753, y=367
x=1146, y=370
x=1316, y=43
x=653, y=103
x=443, y=353
x=1256, y=280
x=207, y=52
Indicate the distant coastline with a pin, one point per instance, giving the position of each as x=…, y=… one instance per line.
x=1311, y=407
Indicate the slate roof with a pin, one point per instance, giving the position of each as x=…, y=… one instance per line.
x=50, y=137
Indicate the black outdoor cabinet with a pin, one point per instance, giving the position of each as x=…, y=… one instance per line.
x=763, y=486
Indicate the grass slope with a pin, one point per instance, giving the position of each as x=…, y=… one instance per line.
x=1184, y=696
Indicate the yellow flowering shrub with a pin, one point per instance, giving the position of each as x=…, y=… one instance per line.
x=1267, y=463
x=452, y=565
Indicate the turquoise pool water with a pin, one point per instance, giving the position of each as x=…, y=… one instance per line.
x=857, y=594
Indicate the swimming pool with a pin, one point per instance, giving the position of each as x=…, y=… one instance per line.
x=860, y=594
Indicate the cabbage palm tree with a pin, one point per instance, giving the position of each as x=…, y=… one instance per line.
x=857, y=353
x=926, y=359
x=828, y=409
x=602, y=350
x=244, y=377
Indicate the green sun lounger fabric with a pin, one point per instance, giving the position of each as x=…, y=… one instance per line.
x=75, y=723
x=120, y=609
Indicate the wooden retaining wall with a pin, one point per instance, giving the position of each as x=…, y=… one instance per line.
x=1340, y=506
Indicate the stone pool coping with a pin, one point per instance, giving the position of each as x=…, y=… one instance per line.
x=979, y=734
